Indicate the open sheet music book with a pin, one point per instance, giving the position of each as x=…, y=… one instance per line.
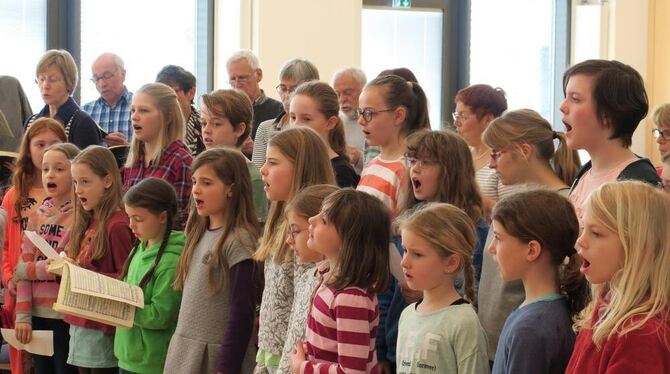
x=87, y=294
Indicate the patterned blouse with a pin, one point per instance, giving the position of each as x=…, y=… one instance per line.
x=193, y=136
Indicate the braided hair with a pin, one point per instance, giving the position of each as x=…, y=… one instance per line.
x=157, y=196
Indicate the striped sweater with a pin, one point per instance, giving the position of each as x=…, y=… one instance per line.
x=341, y=331
x=36, y=289
x=384, y=180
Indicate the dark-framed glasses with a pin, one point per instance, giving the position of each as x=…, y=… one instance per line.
x=368, y=113
x=658, y=133
x=416, y=162
x=293, y=231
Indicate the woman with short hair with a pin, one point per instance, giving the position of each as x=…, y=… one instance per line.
x=57, y=75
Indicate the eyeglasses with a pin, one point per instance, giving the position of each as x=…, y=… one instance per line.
x=495, y=155
x=283, y=89
x=104, y=77
x=239, y=79
x=368, y=113
x=661, y=133
x=415, y=162
x=293, y=232
x=51, y=80
x=459, y=116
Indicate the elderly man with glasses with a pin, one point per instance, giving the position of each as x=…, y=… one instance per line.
x=111, y=111
x=245, y=74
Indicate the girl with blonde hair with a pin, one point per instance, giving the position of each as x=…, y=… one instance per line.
x=443, y=326
x=625, y=247
x=296, y=158
x=157, y=148
x=100, y=241
x=522, y=151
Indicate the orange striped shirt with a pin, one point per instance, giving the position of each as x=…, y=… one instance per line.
x=384, y=180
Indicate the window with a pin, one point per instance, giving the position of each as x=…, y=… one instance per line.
x=26, y=22
x=520, y=46
x=147, y=35
x=406, y=38
x=228, y=35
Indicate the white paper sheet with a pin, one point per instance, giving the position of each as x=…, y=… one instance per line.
x=42, y=342
x=42, y=245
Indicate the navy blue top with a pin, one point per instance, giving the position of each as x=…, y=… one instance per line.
x=83, y=131
x=537, y=338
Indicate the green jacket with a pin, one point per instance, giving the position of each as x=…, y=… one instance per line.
x=142, y=349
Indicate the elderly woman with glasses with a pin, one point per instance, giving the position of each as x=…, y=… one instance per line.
x=291, y=75
x=56, y=77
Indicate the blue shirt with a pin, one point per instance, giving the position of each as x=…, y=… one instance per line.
x=112, y=119
x=537, y=338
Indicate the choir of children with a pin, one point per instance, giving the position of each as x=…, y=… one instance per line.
x=574, y=276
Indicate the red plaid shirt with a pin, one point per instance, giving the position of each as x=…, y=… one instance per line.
x=174, y=167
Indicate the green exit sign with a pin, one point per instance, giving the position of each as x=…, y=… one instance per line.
x=402, y=3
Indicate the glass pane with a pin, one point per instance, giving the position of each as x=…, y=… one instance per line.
x=508, y=55
x=589, y=33
x=411, y=39
x=26, y=22
x=147, y=34
x=227, y=37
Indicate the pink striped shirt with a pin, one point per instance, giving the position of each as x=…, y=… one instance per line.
x=341, y=331
x=384, y=180
x=37, y=289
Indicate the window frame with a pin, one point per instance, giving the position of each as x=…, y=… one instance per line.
x=64, y=32
x=456, y=45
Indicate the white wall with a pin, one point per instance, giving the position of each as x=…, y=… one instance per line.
x=628, y=43
x=325, y=32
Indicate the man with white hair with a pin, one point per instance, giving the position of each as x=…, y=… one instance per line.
x=348, y=84
x=245, y=73
x=111, y=111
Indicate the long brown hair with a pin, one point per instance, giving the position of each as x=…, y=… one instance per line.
x=308, y=153
x=102, y=163
x=240, y=218
x=157, y=196
x=363, y=224
x=526, y=126
x=455, y=236
x=25, y=172
x=550, y=219
x=329, y=106
x=307, y=202
x=456, y=181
